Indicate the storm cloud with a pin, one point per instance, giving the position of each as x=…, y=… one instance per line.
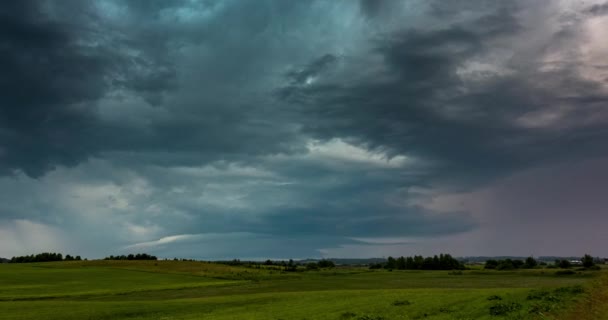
x=255, y=129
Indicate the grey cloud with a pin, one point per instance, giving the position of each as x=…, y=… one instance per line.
x=54, y=72
x=598, y=9
x=300, y=123
x=300, y=77
x=427, y=109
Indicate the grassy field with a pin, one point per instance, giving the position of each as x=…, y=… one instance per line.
x=198, y=290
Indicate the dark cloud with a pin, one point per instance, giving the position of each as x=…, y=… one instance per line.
x=300, y=77
x=375, y=8
x=54, y=71
x=313, y=124
x=598, y=9
x=427, y=108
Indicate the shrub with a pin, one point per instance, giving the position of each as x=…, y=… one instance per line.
x=578, y=289
x=503, y=308
x=348, y=315
x=564, y=272
x=312, y=266
x=326, y=264
x=588, y=261
x=369, y=317
x=401, y=303
x=564, y=264
x=491, y=264
x=505, y=265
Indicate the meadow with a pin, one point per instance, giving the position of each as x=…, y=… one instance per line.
x=200, y=290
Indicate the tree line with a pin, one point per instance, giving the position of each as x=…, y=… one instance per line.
x=44, y=257
x=440, y=262
x=139, y=256
x=586, y=261
x=290, y=265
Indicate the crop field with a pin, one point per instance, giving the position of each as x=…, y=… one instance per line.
x=200, y=290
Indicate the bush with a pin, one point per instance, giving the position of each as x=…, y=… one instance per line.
x=312, y=266
x=503, y=308
x=491, y=264
x=564, y=264
x=530, y=263
x=347, y=315
x=401, y=303
x=587, y=261
x=369, y=317
x=505, y=265
x=578, y=289
x=326, y=264
x=564, y=272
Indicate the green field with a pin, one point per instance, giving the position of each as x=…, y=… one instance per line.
x=199, y=290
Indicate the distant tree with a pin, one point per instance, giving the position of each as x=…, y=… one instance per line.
x=428, y=264
x=587, y=261
x=530, y=263
x=491, y=264
x=391, y=263
x=409, y=263
x=401, y=263
x=291, y=266
x=312, y=266
x=518, y=263
x=139, y=256
x=506, y=264
x=40, y=257
x=324, y=263
x=564, y=264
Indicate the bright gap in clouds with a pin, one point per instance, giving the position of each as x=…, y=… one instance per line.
x=338, y=150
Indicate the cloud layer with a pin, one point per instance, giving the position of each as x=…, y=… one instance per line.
x=271, y=129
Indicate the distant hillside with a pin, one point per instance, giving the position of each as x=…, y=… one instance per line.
x=4, y=260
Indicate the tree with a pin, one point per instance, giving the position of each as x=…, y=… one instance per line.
x=409, y=263
x=401, y=263
x=291, y=266
x=491, y=264
x=391, y=263
x=587, y=261
x=518, y=263
x=506, y=264
x=530, y=263
x=312, y=266
x=564, y=264
x=324, y=263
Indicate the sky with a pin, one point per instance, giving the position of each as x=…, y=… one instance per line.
x=259, y=129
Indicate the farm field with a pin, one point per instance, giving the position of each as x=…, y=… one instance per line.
x=199, y=290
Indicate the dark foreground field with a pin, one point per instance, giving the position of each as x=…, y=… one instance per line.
x=198, y=290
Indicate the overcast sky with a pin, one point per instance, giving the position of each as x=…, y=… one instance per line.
x=293, y=129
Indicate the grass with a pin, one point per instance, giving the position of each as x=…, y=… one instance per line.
x=197, y=290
